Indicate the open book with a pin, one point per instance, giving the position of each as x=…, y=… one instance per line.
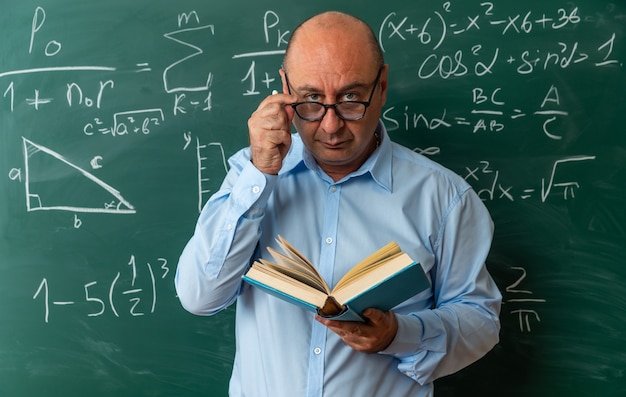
x=383, y=280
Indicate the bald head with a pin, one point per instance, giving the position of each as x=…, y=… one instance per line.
x=341, y=27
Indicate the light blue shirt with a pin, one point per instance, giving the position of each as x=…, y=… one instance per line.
x=397, y=194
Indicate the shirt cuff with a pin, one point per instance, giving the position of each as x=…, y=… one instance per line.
x=253, y=189
x=408, y=337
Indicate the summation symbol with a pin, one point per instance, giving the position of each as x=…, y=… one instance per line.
x=197, y=51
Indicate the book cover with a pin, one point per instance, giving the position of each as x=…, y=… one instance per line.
x=383, y=280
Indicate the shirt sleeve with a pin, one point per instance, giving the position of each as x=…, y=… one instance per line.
x=208, y=276
x=463, y=324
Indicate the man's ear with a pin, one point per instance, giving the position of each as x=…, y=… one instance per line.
x=384, y=83
x=284, y=81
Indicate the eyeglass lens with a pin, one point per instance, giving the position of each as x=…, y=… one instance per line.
x=316, y=111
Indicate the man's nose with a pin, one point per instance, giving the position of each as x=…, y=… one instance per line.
x=331, y=121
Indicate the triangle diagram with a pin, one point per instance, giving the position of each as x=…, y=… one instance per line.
x=54, y=183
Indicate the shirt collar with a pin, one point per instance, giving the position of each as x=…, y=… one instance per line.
x=378, y=165
x=381, y=161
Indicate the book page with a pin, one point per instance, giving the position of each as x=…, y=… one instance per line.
x=373, y=261
x=283, y=283
x=360, y=284
x=295, y=273
x=295, y=260
x=293, y=253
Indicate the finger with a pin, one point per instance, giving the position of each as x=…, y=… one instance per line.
x=350, y=332
x=274, y=113
x=285, y=101
x=375, y=317
x=282, y=99
x=372, y=336
x=290, y=110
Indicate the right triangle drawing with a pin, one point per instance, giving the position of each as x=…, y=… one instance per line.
x=51, y=184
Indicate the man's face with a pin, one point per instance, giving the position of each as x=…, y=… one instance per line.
x=331, y=67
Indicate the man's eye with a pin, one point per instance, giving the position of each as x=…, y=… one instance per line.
x=313, y=98
x=349, y=97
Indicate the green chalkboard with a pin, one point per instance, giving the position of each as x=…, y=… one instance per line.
x=116, y=118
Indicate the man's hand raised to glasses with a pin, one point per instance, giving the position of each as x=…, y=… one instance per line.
x=269, y=130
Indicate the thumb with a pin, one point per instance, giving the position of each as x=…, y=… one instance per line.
x=374, y=316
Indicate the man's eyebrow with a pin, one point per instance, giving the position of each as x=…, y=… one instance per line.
x=349, y=87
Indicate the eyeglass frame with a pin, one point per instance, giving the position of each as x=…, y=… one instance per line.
x=334, y=105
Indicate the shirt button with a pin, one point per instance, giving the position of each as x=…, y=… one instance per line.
x=333, y=189
x=256, y=190
x=317, y=350
x=229, y=226
x=329, y=240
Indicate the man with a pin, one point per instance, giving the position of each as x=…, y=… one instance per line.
x=338, y=190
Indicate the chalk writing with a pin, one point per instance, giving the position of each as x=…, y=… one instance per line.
x=489, y=109
x=125, y=123
x=112, y=201
x=201, y=158
x=138, y=301
x=268, y=79
x=117, y=120
x=251, y=77
x=443, y=25
x=489, y=112
x=187, y=73
x=521, y=298
x=181, y=63
x=190, y=91
x=53, y=47
x=497, y=189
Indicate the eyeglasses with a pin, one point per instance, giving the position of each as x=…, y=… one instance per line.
x=345, y=110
